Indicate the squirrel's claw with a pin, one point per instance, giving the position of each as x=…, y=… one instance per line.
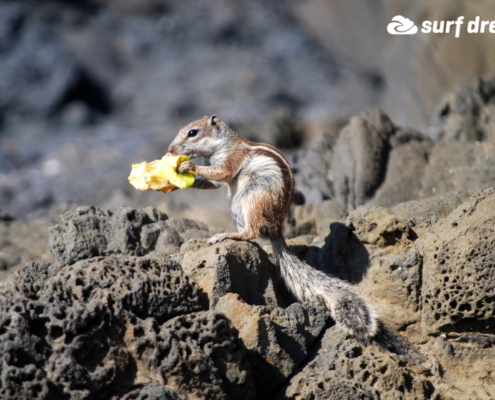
x=186, y=167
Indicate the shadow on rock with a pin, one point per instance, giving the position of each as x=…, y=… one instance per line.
x=342, y=255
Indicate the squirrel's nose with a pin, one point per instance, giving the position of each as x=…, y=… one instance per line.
x=171, y=148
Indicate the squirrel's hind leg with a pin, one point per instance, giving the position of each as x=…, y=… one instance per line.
x=220, y=237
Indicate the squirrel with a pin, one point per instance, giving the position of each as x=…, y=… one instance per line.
x=261, y=186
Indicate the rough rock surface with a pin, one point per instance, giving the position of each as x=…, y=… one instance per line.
x=390, y=368
x=88, y=232
x=134, y=305
x=458, y=269
x=104, y=326
x=360, y=158
x=314, y=218
x=370, y=158
x=466, y=113
x=116, y=316
x=164, y=315
x=120, y=314
x=277, y=340
x=312, y=165
x=373, y=161
x=437, y=279
x=232, y=267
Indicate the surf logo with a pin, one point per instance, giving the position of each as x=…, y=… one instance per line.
x=404, y=26
x=401, y=26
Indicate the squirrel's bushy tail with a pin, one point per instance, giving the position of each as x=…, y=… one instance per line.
x=348, y=309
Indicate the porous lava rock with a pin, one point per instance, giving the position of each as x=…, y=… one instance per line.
x=120, y=314
x=109, y=325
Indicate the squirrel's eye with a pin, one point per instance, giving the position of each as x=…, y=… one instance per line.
x=192, y=133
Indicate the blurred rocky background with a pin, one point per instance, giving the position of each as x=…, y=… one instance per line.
x=392, y=141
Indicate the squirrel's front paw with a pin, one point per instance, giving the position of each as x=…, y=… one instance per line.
x=185, y=167
x=219, y=237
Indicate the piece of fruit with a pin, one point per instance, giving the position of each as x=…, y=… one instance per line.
x=161, y=174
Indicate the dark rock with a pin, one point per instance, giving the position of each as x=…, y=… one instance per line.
x=346, y=369
x=464, y=113
x=31, y=278
x=406, y=165
x=311, y=165
x=5, y=216
x=87, y=232
x=80, y=236
x=213, y=349
x=277, y=340
x=240, y=281
x=236, y=267
x=76, y=323
x=109, y=326
x=282, y=128
x=84, y=330
x=37, y=67
x=233, y=267
x=370, y=161
x=182, y=225
x=360, y=158
x=377, y=163
x=420, y=168
x=152, y=391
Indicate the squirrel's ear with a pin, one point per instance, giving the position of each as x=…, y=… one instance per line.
x=213, y=120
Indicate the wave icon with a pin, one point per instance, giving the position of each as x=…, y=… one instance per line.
x=401, y=26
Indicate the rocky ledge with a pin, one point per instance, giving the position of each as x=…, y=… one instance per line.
x=135, y=305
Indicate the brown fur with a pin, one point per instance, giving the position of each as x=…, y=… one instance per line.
x=261, y=188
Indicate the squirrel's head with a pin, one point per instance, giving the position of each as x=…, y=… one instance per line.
x=201, y=138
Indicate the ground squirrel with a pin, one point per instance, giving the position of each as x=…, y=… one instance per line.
x=261, y=186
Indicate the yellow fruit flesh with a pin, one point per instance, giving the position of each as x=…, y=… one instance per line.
x=161, y=174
